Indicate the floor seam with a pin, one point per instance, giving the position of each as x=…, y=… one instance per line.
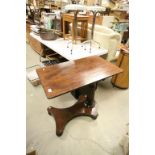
x=90, y=140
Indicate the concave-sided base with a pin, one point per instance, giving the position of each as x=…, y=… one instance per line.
x=63, y=116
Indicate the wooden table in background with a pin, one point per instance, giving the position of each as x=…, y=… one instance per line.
x=69, y=18
x=99, y=19
x=79, y=77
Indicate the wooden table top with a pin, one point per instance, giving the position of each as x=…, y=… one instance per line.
x=68, y=76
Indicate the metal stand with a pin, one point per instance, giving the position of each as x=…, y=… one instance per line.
x=75, y=31
x=91, y=41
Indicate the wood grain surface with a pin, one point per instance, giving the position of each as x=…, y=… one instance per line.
x=122, y=80
x=36, y=45
x=69, y=18
x=68, y=76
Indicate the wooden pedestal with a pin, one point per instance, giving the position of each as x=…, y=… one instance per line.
x=85, y=106
x=63, y=116
x=80, y=78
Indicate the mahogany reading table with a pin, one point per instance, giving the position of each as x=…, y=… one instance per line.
x=79, y=77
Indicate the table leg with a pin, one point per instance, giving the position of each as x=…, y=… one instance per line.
x=84, y=30
x=85, y=106
x=73, y=33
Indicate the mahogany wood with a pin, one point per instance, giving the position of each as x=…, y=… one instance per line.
x=80, y=77
x=63, y=116
x=68, y=76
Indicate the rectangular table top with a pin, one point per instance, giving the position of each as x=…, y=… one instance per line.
x=60, y=46
x=68, y=76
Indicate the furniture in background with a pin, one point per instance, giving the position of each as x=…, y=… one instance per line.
x=95, y=10
x=107, y=21
x=28, y=30
x=122, y=80
x=122, y=27
x=90, y=2
x=75, y=8
x=60, y=46
x=36, y=45
x=61, y=3
x=108, y=39
x=69, y=18
x=98, y=20
x=30, y=12
x=120, y=14
x=80, y=76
